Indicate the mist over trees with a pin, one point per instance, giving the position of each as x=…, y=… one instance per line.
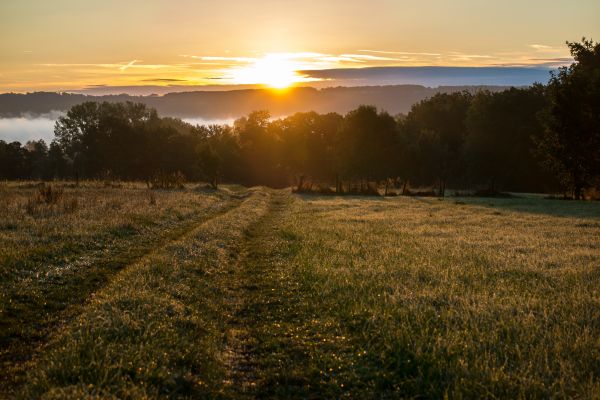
x=211, y=105
x=537, y=139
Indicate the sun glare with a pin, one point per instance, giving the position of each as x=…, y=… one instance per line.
x=272, y=70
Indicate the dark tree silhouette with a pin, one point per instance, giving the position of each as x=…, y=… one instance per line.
x=571, y=143
x=438, y=125
x=498, y=148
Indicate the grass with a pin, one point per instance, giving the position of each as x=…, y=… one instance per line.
x=255, y=293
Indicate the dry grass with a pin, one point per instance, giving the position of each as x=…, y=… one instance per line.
x=467, y=300
x=269, y=294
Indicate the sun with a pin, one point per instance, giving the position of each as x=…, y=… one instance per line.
x=272, y=70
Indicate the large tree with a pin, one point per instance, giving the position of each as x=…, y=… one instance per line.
x=571, y=143
x=437, y=125
x=367, y=145
x=499, y=144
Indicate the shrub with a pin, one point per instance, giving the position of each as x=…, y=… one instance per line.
x=48, y=195
x=162, y=180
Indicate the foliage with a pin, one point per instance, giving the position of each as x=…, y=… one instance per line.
x=571, y=142
x=529, y=139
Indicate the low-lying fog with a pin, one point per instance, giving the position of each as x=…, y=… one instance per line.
x=23, y=129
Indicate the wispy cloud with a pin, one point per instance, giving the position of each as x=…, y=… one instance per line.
x=407, y=53
x=220, y=58
x=119, y=66
x=544, y=48
x=225, y=68
x=164, y=80
x=129, y=64
x=367, y=57
x=466, y=57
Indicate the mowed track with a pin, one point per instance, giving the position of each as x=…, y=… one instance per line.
x=155, y=329
x=284, y=296
x=34, y=325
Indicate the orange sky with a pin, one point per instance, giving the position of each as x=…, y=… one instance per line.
x=73, y=44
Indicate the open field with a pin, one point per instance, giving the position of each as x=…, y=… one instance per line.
x=256, y=293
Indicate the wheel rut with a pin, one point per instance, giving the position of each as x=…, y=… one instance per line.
x=254, y=295
x=17, y=353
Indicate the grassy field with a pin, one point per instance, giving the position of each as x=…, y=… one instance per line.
x=124, y=292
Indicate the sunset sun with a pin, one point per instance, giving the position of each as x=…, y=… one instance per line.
x=272, y=70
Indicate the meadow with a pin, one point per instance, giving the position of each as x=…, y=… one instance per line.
x=119, y=291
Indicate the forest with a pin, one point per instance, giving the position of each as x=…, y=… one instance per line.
x=542, y=138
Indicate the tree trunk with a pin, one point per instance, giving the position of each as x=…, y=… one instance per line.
x=577, y=193
x=442, y=187
x=300, y=184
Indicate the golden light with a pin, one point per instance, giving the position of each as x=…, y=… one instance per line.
x=276, y=71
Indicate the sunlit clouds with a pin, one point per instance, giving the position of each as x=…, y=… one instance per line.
x=275, y=70
x=67, y=45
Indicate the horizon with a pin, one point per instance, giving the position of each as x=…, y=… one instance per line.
x=426, y=76
x=64, y=47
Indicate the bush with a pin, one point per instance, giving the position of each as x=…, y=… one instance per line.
x=48, y=195
x=162, y=180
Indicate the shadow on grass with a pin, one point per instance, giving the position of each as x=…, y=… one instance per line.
x=535, y=204
x=520, y=202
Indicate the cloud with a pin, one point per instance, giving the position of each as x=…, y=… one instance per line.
x=130, y=64
x=164, y=80
x=407, y=53
x=119, y=66
x=553, y=62
x=366, y=57
x=431, y=76
x=543, y=48
x=467, y=57
x=555, y=59
x=221, y=58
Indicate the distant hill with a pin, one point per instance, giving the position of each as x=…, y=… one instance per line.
x=235, y=103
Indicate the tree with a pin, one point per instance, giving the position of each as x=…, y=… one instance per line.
x=366, y=146
x=13, y=164
x=438, y=127
x=210, y=164
x=571, y=141
x=260, y=150
x=499, y=145
x=36, y=158
x=307, y=145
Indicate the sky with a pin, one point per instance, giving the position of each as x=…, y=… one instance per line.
x=70, y=45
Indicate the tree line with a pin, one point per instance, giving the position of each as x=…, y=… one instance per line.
x=541, y=138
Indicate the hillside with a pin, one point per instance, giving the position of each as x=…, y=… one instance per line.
x=235, y=103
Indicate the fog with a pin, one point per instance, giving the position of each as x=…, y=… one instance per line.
x=204, y=121
x=23, y=129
